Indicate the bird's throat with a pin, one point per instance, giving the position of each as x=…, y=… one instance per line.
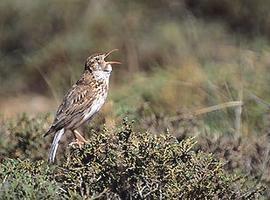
x=101, y=75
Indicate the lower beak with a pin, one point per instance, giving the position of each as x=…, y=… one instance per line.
x=114, y=62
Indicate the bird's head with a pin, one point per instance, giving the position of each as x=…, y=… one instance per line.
x=97, y=64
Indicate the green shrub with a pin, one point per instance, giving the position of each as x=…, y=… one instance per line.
x=140, y=165
x=27, y=180
x=116, y=164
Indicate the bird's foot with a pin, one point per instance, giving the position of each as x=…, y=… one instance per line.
x=80, y=140
x=78, y=143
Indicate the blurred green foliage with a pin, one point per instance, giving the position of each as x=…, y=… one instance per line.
x=22, y=138
x=50, y=40
x=172, y=60
x=245, y=16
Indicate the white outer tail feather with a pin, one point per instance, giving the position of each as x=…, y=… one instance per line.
x=55, y=144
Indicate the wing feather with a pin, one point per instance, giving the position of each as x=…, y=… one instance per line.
x=78, y=98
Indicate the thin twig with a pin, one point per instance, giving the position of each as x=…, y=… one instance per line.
x=49, y=84
x=201, y=111
x=259, y=100
x=238, y=113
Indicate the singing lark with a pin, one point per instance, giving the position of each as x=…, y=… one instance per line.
x=82, y=101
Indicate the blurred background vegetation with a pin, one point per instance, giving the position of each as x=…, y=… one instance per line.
x=178, y=57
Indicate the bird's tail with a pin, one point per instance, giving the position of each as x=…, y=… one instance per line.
x=55, y=144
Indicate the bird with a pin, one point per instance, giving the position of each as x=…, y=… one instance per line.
x=82, y=101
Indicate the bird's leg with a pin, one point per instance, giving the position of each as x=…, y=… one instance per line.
x=79, y=136
x=80, y=140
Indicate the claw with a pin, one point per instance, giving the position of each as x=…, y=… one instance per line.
x=78, y=143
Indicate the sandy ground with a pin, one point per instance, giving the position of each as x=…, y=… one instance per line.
x=30, y=104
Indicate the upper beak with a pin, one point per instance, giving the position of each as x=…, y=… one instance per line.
x=107, y=54
x=112, y=62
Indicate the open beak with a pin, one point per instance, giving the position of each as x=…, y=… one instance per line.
x=112, y=62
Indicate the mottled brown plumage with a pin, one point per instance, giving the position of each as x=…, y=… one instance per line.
x=83, y=100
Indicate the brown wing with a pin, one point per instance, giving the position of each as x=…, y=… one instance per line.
x=78, y=98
